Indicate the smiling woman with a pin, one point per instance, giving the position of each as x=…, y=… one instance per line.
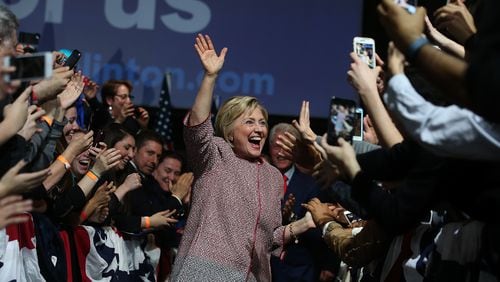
x=235, y=218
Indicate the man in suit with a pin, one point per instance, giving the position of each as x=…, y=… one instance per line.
x=307, y=258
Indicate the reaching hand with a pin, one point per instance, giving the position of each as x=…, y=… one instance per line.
x=127, y=110
x=403, y=28
x=30, y=126
x=320, y=212
x=11, y=209
x=395, y=60
x=209, y=59
x=72, y=91
x=362, y=78
x=183, y=186
x=78, y=145
x=343, y=156
x=304, y=124
x=49, y=88
x=369, y=133
x=16, y=113
x=163, y=219
x=13, y=182
x=90, y=90
x=132, y=182
x=456, y=19
x=325, y=173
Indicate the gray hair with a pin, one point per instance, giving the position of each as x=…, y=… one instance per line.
x=8, y=23
x=281, y=128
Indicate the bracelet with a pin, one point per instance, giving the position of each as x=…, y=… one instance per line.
x=296, y=239
x=47, y=119
x=415, y=46
x=64, y=161
x=90, y=174
x=83, y=216
x=34, y=98
x=147, y=222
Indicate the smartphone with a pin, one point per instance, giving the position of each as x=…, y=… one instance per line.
x=408, y=5
x=364, y=47
x=29, y=41
x=358, y=125
x=350, y=217
x=72, y=59
x=29, y=67
x=99, y=137
x=341, y=121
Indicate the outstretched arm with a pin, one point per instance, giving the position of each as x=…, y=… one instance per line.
x=212, y=65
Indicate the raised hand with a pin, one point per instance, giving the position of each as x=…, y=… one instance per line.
x=11, y=209
x=325, y=173
x=304, y=124
x=15, y=114
x=49, y=88
x=90, y=90
x=212, y=63
x=456, y=19
x=343, y=156
x=72, y=91
x=13, y=182
x=163, y=219
x=30, y=126
x=78, y=145
x=362, y=78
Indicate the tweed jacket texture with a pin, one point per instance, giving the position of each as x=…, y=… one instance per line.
x=235, y=220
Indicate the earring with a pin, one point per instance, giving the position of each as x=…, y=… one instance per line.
x=110, y=110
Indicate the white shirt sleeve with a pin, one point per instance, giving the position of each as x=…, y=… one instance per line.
x=447, y=131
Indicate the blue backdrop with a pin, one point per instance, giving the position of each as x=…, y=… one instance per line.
x=281, y=51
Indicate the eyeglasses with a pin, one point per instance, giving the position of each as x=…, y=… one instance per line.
x=125, y=96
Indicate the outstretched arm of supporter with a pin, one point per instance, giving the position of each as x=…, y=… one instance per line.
x=444, y=70
x=212, y=64
x=442, y=41
x=364, y=81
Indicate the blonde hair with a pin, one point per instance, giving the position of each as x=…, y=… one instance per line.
x=233, y=108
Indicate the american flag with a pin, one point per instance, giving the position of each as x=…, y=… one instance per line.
x=164, y=124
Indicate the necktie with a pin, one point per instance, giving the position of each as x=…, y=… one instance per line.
x=285, y=179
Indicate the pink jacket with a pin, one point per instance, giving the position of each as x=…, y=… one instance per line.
x=235, y=218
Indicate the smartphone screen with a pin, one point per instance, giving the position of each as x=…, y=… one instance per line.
x=358, y=125
x=342, y=120
x=29, y=67
x=72, y=59
x=364, y=47
x=350, y=217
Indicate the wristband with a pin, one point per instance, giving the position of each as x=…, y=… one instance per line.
x=415, y=46
x=64, y=161
x=90, y=174
x=147, y=222
x=83, y=216
x=34, y=98
x=48, y=120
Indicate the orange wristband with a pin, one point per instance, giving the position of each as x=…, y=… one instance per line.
x=48, y=120
x=64, y=161
x=92, y=175
x=147, y=222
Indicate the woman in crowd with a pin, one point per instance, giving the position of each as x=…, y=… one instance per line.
x=235, y=219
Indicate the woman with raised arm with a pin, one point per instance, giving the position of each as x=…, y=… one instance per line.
x=235, y=218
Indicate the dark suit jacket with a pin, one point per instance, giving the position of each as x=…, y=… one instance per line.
x=303, y=261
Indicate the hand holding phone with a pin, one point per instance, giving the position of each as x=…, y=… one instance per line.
x=29, y=67
x=72, y=59
x=345, y=120
x=351, y=218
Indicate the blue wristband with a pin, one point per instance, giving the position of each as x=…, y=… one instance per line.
x=412, y=51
